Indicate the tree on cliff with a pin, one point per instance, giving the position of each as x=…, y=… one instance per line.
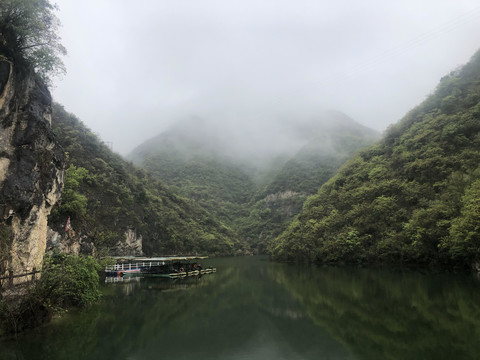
x=28, y=32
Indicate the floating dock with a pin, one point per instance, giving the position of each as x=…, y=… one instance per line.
x=170, y=266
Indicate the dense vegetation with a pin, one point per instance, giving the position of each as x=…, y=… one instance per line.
x=194, y=162
x=30, y=46
x=104, y=196
x=411, y=198
x=275, y=205
x=218, y=187
x=256, y=200
x=28, y=34
x=66, y=281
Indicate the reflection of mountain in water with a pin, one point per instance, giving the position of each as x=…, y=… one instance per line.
x=255, y=309
x=380, y=314
x=237, y=313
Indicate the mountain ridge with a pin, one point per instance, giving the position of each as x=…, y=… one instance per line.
x=206, y=163
x=410, y=198
x=109, y=201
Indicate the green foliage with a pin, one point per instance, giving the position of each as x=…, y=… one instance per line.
x=73, y=202
x=22, y=313
x=301, y=176
x=217, y=186
x=196, y=168
x=104, y=195
x=66, y=281
x=464, y=238
x=28, y=31
x=412, y=198
x=69, y=280
x=319, y=160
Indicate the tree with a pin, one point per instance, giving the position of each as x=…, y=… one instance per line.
x=464, y=238
x=28, y=32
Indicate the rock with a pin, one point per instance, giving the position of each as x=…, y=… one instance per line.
x=69, y=243
x=131, y=245
x=31, y=166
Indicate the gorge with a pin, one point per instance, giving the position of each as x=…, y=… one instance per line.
x=367, y=243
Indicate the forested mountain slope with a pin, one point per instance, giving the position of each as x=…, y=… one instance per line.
x=414, y=197
x=330, y=140
x=195, y=161
x=105, y=196
x=254, y=189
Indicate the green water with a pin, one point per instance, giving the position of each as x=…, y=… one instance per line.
x=254, y=309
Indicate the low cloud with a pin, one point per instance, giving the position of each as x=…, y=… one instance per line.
x=135, y=69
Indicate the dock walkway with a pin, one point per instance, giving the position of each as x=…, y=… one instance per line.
x=171, y=267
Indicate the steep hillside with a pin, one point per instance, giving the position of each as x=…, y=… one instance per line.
x=113, y=204
x=413, y=197
x=331, y=140
x=252, y=183
x=194, y=159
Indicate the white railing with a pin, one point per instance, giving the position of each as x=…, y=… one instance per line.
x=133, y=266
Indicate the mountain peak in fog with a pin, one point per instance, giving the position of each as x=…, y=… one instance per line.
x=251, y=142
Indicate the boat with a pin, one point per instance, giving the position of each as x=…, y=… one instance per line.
x=169, y=266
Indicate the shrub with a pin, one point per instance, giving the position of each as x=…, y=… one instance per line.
x=69, y=280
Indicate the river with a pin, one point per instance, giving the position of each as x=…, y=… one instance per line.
x=256, y=309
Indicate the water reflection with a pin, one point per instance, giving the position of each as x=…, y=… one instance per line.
x=132, y=283
x=255, y=309
x=381, y=314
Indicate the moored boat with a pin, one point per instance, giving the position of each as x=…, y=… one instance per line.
x=170, y=266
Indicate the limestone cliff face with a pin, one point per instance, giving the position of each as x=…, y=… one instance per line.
x=130, y=245
x=70, y=243
x=31, y=168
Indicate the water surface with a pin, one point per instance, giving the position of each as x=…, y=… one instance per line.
x=255, y=309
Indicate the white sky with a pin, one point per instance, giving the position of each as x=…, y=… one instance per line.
x=135, y=67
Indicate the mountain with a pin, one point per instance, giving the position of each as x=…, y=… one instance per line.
x=329, y=140
x=123, y=209
x=411, y=198
x=194, y=160
x=253, y=179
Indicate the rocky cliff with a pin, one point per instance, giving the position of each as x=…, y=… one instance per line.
x=31, y=168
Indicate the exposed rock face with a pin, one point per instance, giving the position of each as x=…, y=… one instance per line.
x=31, y=168
x=131, y=245
x=285, y=203
x=69, y=243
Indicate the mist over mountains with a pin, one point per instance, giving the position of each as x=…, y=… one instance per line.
x=411, y=198
x=253, y=144
x=253, y=178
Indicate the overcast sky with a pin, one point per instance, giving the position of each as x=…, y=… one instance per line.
x=135, y=67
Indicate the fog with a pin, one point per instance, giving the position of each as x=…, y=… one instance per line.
x=135, y=68
x=255, y=144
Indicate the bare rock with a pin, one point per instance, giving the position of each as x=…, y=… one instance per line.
x=31, y=167
x=130, y=245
